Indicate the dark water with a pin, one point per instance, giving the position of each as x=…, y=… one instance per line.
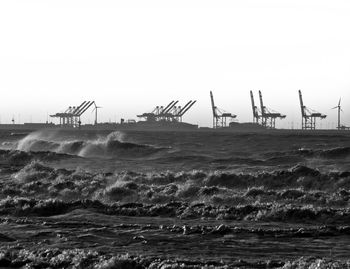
x=161, y=200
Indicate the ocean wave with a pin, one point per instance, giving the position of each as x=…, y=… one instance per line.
x=264, y=212
x=298, y=185
x=223, y=229
x=111, y=145
x=16, y=158
x=331, y=153
x=16, y=257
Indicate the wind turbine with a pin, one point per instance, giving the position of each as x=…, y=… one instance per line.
x=95, y=109
x=339, y=109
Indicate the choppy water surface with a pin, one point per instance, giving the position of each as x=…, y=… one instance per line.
x=143, y=199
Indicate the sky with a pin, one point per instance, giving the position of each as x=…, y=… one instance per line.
x=130, y=56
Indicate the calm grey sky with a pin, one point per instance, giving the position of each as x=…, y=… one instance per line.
x=130, y=56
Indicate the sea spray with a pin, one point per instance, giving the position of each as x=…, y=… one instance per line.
x=103, y=146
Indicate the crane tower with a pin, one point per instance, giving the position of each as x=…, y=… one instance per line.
x=268, y=116
x=219, y=117
x=308, y=116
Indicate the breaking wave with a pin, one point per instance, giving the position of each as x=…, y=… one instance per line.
x=253, y=212
x=209, y=193
x=111, y=145
x=15, y=158
x=20, y=257
x=298, y=194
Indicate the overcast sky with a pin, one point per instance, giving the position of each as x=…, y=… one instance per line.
x=130, y=56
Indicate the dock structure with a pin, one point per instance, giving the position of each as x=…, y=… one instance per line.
x=220, y=117
x=308, y=116
x=268, y=116
x=71, y=116
x=171, y=113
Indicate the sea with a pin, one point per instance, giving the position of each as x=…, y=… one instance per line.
x=103, y=199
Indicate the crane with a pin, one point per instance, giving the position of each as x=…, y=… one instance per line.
x=71, y=116
x=219, y=117
x=308, y=116
x=268, y=117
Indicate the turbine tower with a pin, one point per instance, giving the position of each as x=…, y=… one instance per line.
x=339, y=110
x=95, y=109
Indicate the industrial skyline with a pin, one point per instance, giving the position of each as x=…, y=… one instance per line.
x=174, y=111
x=131, y=56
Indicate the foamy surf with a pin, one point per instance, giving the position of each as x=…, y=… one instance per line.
x=103, y=146
x=104, y=200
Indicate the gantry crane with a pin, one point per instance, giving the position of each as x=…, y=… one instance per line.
x=171, y=112
x=308, y=116
x=219, y=117
x=71, y=116
x=268, y=116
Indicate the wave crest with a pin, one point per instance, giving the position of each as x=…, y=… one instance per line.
x=108, y=146
x=299, y=185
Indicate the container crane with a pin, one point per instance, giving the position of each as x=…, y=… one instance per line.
x=171, y=112
x=308, y=116
x=268, y=117
x=71, y=116
x=219, y=117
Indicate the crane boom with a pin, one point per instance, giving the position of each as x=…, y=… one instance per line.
x=255, y=112
x=302, y=107
x=86, y=108
x=75, y=111
x=213, y=104
x=170, y=108
x=82, y=108
x=167, y=107
x=184, y=107
x=261, y=104
x=183, y=112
